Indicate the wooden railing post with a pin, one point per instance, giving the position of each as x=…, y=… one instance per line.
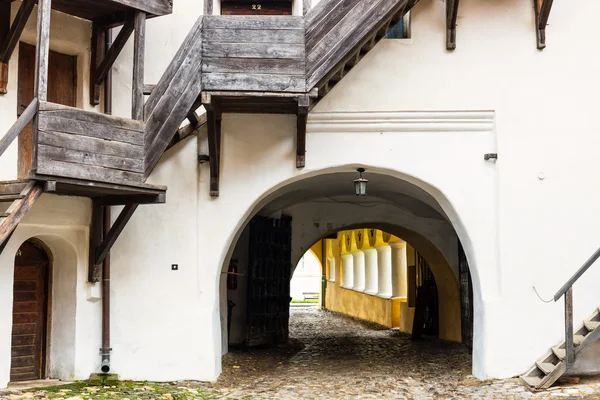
x=137, y=107
x=569, y=350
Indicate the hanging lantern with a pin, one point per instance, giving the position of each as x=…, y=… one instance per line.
x=360, y=184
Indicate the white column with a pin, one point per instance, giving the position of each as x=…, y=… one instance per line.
x=384, y=267
x=399, y=268
x=370, y=271
x=347, y=271
x=359, y=270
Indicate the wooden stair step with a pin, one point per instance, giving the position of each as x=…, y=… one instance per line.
x=532, y=381
x=578, y=339
x=560, y=353
x=5, y=198
x=545, y=367
x=591, y=325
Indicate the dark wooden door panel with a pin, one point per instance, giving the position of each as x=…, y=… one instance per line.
x=62, y=71
x=269, y=273
x=29, y=313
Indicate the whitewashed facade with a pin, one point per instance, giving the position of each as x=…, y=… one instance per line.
x=419, y=119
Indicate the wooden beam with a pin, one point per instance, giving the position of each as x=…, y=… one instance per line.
x=213, y=116
x=98, y=35
x=139, y=49
x=4, y=31
x=18, y=209
x=301, y=119
x=113, y=52
x=208, y=7
x=7, y=46
x=451, y=16
x=113, y=234
x=542, y=13
x=18, y=126
x=123, y=200
x=96, y=226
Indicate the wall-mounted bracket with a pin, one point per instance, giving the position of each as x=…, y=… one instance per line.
x=213, y=117
x=542, y=13
x=451, y=16
x=302, y=117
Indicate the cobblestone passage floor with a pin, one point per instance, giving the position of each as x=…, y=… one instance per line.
x=331, y=357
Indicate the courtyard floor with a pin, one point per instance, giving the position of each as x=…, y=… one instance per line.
x=331, y=357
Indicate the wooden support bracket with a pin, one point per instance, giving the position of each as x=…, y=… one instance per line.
x=451, y=16
x=214, y=118
x=103, y=62
x=302, y=116
x=542, y=13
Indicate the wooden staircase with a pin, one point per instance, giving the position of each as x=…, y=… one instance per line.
x=22, y=196
x=560, y=358
x=553, y=364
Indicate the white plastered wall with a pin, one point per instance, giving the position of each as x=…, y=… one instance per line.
x=62, y=224
x=507, y=219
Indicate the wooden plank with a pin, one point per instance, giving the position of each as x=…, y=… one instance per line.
x=91, y=144
x=132, y=199
x=114, y=51
x=18, y=126
x=338, y=44
x=155, y=7
x=258, y=82
x=64, y=185
x=253, y=50
x=113, y=234
x=290, y=36
x=569, y=346
x=18, y=210
x=208, y=7
x=191, y=45
x=97, y=54
x=91, y=129
x=139, y=50
x=253, y=65
x=89, y=172
x=61, y=111
x=51, y=153
x=8, y=46
x=96, y=232
x=253, y=22
x=319, y=26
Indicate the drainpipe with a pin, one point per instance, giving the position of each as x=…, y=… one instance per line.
x=105, y=350
x=323, y=273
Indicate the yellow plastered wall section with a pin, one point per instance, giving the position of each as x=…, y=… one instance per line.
x=367, y=307
x=394, y=312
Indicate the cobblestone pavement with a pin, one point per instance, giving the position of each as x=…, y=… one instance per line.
x=331, y=357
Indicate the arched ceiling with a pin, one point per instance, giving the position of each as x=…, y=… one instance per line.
x=339, y=188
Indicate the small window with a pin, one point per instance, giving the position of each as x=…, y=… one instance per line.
x=256, y=7
x=401, y=30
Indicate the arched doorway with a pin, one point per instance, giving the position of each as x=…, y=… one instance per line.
x=30, y=312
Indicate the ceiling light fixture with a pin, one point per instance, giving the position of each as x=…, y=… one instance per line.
x=360, y=184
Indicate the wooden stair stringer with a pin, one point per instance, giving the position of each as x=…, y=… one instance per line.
x=549, y=368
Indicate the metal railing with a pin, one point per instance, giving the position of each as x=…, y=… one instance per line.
x=567, y=291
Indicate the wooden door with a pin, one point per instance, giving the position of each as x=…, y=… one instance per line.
x=269, y=274
x=466, y=298
x=30, y=314
x=61, y=89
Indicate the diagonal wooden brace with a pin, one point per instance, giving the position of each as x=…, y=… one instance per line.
x=542, y=13
x=451, y=16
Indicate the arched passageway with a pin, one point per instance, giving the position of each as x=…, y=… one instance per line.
x=321, y=214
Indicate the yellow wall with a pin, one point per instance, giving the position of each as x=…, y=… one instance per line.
x=388, y=312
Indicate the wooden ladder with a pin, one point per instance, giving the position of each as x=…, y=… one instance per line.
x=22, y=195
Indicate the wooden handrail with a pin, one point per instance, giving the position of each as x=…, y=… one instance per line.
x=18, y=126
x=577, y=275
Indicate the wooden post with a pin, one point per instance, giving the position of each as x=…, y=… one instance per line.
x=139, y=47
x=40, y=85
x=542, y=13
x=208, y=7
x=451, y=16
x=213, y=116
x=96, y=235
x=302, y=116
x=4, y=31
x=97, y=55
x=569, y=350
